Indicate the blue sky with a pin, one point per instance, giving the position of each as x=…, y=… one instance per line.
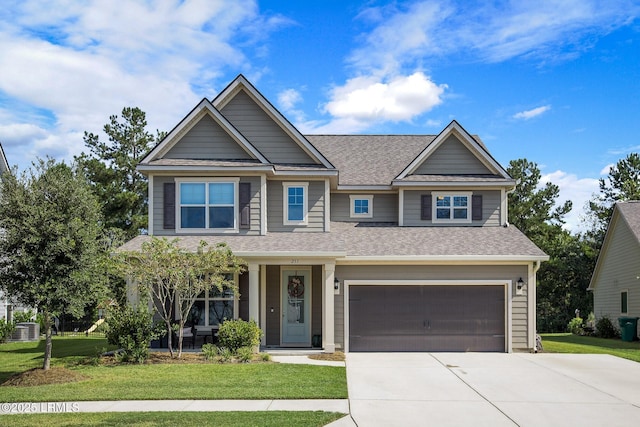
x=556, y=82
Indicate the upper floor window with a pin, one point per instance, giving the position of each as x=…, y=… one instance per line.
x=208, y=205
x=361, y=206
x=451, y=207
x=295, y=203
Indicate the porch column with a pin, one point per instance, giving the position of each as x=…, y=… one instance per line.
x=328, y=315
x=254, y=291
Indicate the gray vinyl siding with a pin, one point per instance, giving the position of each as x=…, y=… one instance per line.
x=263, y=132
x=442, y=272
x=452, y=157
x=490, y=209
x=618, y=271
x=158, y=206
x=207, y=140
x=275, y=213
x=385, y=208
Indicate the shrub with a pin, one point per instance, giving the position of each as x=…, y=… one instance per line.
x=245, y=354
x=575, y=326
x=132, y=331
x=23, y=316
x=209, y=351
x=225, y=355
x=265, y=357
x=606, y=329
x=6, y=329
x=234, y=334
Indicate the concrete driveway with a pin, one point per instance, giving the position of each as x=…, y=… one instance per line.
x=488, y=389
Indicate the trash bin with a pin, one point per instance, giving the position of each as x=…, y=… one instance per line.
x=628, y=328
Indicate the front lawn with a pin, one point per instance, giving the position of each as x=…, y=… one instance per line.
x=171, y=419
x=570, y=343
x=164, y=381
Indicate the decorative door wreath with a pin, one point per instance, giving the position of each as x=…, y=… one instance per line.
x=296, y=286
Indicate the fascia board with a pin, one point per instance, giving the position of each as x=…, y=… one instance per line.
x=442, y=259
x=152, y=168
x=489, y=184
x=305, y=173
x=241, y=82
x=364, y=188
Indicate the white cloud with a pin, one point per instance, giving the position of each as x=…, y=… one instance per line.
x=367, y=99
x=288, y=98
x=605, y=170
x=529, y=114
x=78, y=63
x=578, y=190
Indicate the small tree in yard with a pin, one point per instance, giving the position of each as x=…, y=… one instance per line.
x=174, y=277
x=49, y=253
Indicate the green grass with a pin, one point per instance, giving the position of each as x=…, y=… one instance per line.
x=172, y=419
x=164, y=381
x=569, y=343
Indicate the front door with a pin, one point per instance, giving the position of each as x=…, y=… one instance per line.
x=296, y=307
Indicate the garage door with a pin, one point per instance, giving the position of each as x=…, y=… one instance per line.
x=426, y=318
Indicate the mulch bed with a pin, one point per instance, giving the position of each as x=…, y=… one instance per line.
x=38, y=376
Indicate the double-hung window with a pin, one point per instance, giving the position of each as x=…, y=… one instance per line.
x=361, y=206
x=295, y=203
x=208, y=204
x=451, y=207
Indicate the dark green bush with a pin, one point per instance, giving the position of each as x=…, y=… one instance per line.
x=132, y=331
x=575, y=326
x=6, y=329
x=606, y=329
x=23, y=316
x=234, y=334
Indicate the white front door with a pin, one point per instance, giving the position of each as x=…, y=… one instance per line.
x=296, y=307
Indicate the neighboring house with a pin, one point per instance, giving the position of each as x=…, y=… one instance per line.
x=615, y=282
x=352, y=242
x=7, y=305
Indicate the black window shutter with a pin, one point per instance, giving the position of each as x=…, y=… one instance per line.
x=245, y=204
x=425, y=207
x=169, y=215
x=476, y=207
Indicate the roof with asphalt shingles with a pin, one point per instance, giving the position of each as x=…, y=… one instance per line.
x=352, y=239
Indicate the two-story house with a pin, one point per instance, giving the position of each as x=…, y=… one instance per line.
x=352, y=242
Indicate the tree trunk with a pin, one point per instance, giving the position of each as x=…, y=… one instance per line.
x=169, y=338
x=180, y=338
x=46, y=364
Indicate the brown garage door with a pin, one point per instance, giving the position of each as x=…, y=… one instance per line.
x=426, y=318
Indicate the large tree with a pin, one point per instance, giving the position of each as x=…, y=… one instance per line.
x=622, y=184
x=173, y=277
x=563, y=280
x=49, y=251
x=110, y=167
x=533, y=207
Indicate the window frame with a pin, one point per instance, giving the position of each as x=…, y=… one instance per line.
x=285, y=203
x=207, y=299
x=451, y=219
x=352, y=206
x=624, y=301
x=207, y=205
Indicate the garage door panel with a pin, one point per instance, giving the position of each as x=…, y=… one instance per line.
x=427, y=318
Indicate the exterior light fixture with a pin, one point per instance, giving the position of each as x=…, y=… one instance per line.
x=336, y=283
x=519, y=286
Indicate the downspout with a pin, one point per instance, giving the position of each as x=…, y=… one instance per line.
x=534, y=305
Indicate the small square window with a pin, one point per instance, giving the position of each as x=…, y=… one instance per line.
x=361, y=206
